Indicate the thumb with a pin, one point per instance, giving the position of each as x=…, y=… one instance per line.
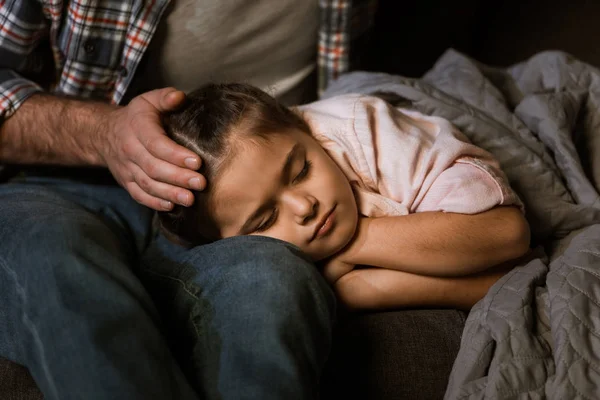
x=166, y=99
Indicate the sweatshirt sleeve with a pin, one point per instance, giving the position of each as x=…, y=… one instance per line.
x=401, y=161
x=424, y=163
x=469, y=186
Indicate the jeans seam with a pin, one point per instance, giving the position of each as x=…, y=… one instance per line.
x=29, y=324
x=185, y=288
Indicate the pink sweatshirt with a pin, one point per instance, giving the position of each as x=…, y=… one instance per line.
x=400, y=161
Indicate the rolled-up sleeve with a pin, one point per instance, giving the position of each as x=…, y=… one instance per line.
x=23, y=25
x=469, y=186
x=14, y=90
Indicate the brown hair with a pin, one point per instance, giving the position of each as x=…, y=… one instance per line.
x=211, y=117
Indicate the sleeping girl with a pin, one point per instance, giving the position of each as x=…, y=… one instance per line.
x=396, y=207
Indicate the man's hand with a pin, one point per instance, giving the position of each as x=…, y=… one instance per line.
x=151, y=167
x=130, y=141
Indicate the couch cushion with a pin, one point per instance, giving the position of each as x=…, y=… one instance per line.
x=393, y=355
x=16, y=383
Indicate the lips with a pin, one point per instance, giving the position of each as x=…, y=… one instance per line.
x=325, y=224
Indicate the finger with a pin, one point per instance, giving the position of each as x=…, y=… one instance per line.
x=166, y=99
x=161, y=190
x=162, y=147
x=174, y=99
x=146, y=199
x=171, y=174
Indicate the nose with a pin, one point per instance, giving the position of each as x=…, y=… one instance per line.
x=302, y=205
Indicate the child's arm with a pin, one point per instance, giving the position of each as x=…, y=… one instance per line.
x=376, y=288
x=436, y=243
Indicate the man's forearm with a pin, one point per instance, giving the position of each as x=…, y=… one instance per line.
x=54, y=130
x=442, y=244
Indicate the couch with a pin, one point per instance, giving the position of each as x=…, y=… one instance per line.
x=408, y=354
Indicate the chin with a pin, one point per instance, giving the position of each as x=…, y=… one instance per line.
x=345, y=238
x=325, y=253
x=319, y=257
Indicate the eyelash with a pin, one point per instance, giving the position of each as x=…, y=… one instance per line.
x=299, y=178
x=304, y=173
x=267, y=224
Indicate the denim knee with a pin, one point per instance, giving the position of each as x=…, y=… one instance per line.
x=272, y=269
x=251, y=271
x=253, y=309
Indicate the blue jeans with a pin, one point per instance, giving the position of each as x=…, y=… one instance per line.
x=91, y=296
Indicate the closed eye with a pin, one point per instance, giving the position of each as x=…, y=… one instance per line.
x=268, y=223
x=303, y=174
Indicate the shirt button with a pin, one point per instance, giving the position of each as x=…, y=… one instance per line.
x=123, y=71
x=89, y=47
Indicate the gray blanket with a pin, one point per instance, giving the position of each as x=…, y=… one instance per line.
x=537, y=332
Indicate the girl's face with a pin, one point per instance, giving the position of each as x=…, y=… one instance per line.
x=289, y=189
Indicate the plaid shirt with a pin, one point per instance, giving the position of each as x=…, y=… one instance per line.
x=96, y=46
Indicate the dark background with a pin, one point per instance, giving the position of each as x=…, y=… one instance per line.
x=409, y=36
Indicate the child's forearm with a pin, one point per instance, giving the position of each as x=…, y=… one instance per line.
x=376, y=289
x=441, y=244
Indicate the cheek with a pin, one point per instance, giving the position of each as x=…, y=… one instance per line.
x=328, y=170
x=338, y=180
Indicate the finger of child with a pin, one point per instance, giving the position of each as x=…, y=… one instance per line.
x=163, y=148
x=165, y=172
x=161, y=190
x=139, y=195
